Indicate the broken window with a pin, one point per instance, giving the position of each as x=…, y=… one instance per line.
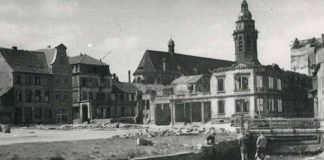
x=270, y=82
x=241, y=83
x=259, y=82
x=271, y=107
x=259, y=105
x=279, y=105
x=242, y=105
x=279, y=84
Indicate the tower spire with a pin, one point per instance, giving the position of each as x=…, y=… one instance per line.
x=245, y=37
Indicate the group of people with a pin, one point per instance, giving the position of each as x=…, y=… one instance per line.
x=246, y=146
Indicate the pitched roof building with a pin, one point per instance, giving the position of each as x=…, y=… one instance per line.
x=158, y=67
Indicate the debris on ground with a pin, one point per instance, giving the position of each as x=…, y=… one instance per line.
x=143, y=142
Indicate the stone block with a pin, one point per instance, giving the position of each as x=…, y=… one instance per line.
x=143, y=142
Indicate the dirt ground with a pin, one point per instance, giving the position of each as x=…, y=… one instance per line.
x=23, y=135
x=111, y=148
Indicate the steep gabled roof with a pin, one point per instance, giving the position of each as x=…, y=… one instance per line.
x=152, y=61
x=85, y=59
x=121, y=87
x=50, y=54
x=26, y=61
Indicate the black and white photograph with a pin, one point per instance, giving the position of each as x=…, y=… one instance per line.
x=161, y=80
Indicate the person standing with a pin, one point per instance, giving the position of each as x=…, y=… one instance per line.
x=261, y=145
x=244, y=144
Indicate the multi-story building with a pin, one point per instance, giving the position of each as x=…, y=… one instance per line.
x=123, y=100
x=61, y=92
x=92, y=88
x=241, y=87
x=26, y=76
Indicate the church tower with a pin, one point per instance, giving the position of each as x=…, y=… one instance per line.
x=245, y=37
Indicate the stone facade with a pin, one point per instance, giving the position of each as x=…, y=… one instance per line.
x=92, y=87
x=61, y=96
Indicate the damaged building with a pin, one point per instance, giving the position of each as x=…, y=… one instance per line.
x=190, y=89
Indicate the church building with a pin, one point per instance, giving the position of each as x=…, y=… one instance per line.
x=202, y=90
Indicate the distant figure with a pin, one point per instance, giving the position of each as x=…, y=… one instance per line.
x=261, y=145
x=211, y=138
x=244, y=145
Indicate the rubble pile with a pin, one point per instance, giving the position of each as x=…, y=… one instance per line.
x=5, y=128
x=95, y=126
x=151, y=132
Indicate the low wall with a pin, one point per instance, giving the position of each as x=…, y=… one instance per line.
x=222, y=150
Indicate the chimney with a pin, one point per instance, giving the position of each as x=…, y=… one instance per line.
x=114, y=76
x=48, y=46
x=129, y=76
x=15, y=48
x=322, y=38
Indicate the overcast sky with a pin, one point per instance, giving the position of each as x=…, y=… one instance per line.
x=128, y=27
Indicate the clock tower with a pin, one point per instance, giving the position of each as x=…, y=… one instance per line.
x=245, y=37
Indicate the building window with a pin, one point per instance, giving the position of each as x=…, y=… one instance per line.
x=241, y=104
x=112, y=97
x=29, y=80
x=66, y=80
x=271, y=107
x=18, y=79
x=279, y=105
x=259, y=105
x=37, y=80
x=241, y=83
x=279, y=84
x=90, y=96
x=38, y=113
x=37, y=95
x=220, y=85
x=259, y=82
x=270, y=82
x=121, y=98
x=66, y=96
x=90, y=82
x=57, y=95
x=28, y=96
x=129, y=97
x=240, y=44
x=18, y=96
x=84, y=95
x=57, y=80
x=221, y=107
x=147, y=104
x=102, y=82
x=84, y=82
x=46, y=96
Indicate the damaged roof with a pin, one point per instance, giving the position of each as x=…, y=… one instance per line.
x=152, y=61
x=25, y=61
